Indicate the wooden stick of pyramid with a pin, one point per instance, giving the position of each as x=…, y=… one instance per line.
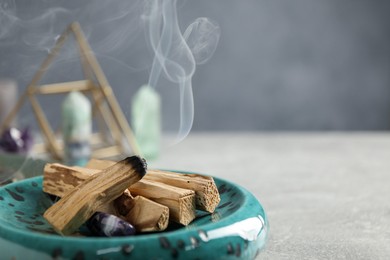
x=107, y=107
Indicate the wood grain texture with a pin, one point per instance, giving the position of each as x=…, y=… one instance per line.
x=206, y=192
x=144, y=214
x=78, y=205
x=60, y=179
x=181, y=202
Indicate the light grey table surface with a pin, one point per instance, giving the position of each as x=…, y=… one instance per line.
x=327, y=195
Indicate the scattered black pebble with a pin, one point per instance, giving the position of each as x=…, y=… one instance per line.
x=15, y=196
x=19, y=212
x=164, y=242
x=11, y=205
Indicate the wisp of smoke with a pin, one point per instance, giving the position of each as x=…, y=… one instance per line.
x=176, y=55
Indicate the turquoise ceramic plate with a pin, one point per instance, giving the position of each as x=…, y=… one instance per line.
x=237, y=229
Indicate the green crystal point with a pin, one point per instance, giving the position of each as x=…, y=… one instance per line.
x=146, y=121
x=76, y=128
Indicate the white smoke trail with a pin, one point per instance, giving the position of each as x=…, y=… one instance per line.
x=173, y=56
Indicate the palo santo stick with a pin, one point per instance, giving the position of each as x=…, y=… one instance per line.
x=207, y=197
x=78, y=205
x=181, y=202
x=144, y=214
x=59, y=179
x=206, y=192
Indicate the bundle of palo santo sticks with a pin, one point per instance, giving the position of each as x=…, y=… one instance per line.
x=147, y=199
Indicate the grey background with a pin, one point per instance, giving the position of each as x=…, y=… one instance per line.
x=280, y=65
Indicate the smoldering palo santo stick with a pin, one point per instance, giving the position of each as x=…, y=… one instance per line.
x=79, y=204
x=144, y=214
x=206, y=192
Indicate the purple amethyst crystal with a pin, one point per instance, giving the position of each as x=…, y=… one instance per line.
x=107, y=225
x=15, y=141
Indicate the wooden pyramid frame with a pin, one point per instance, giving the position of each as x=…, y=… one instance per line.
x=104, y=104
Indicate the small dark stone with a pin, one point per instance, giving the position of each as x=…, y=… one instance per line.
x=11, y=205
x=79, y=256
x=19, y=212
x=34, y=184
x=238, y=250
x=230, y=249
x=15, y=141
x=127, y=249
x=1, y=198
x=180, y=244
x=57, y=252
x=103, y=224
x=164, y=242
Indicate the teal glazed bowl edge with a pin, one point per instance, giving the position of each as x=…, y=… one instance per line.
x=238, y=229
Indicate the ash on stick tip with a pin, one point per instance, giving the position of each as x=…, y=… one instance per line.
x=138, y=163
